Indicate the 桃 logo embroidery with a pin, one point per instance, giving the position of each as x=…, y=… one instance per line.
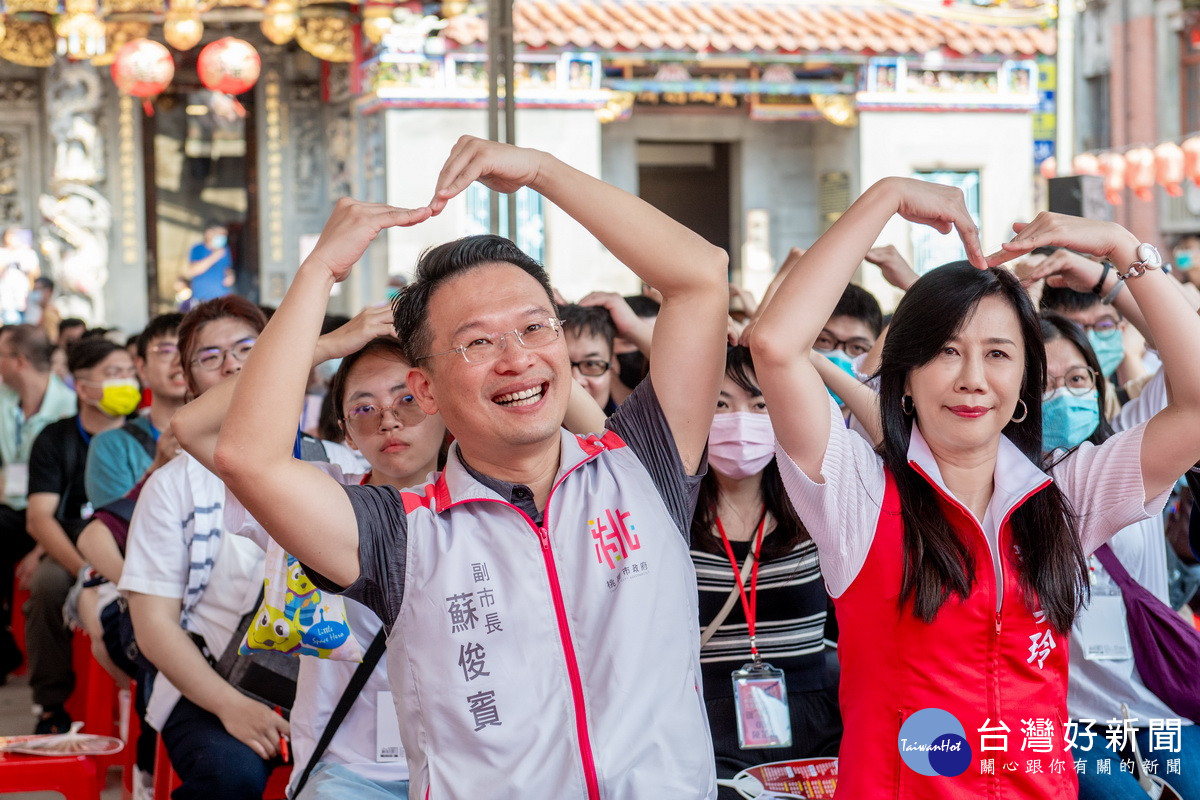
x=614, y=537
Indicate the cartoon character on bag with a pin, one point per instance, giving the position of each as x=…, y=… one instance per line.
x=301, y=596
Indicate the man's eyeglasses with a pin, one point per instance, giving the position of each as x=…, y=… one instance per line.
x=165, y=351
x=1078, y=381
x=1102, y=325
x=591, y=367
x=487, y=348
x=855, y=346
x=211, y=358
x=366, y=418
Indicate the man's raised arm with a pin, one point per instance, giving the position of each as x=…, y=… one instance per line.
x=302, y=508
x=691, y=274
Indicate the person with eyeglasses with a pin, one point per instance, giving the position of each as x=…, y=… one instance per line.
x=1104, y=676
x=956, y=551
x=58, y=510
x=188, y=585
x=119, y=458
x=590, y=332
x=379, y=417
x=538, y=594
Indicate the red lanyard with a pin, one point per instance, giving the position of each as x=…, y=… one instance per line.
x=749, y=607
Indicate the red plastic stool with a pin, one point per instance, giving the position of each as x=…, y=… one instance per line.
x=20, y=597
x=75, y=777
x=132, y=730
x=165, y=779
x=95, y=699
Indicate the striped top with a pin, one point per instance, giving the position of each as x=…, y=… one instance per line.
x=792, y=607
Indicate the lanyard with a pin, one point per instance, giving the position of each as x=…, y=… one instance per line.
x=749, y=607
x=87, y=437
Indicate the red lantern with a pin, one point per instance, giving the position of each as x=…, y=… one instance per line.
x=1086, y=164
x=143, y=68
x=1112, y=168
x=1168, y=167
x=229, y=66
x=1139, y=174
x=1191, y=159
x=1049, y=168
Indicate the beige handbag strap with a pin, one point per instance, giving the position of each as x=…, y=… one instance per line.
x=721, y=616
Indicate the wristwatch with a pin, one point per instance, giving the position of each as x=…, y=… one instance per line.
x=1148, y=259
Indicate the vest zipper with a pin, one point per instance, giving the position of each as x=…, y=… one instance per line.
x=564, y=630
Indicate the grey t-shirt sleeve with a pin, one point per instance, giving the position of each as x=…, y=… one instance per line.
x=382, y=552
x=640, y=422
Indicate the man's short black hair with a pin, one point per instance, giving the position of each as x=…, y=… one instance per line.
x=588, y=321
x=645, y=307
x=857, y=303
x=42, y=282
x=1062, y=299
x=87, y=353
x=72, y=322
x=438, y=265
x=157, y=328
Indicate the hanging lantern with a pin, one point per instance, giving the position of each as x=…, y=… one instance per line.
x=1085, y=164
x=1112, y=168
x=182, y=27
x=1139, y=173
x=143, y=68
x=1191, y=158
x=1049, y=168
x=228, y=66
x=1168, y=168
x=280, y=20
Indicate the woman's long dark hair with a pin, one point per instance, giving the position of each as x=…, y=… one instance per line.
x=789, y=531
x=1056, y=326
x=1051, y=569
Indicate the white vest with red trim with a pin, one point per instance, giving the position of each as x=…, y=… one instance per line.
x=552, y=662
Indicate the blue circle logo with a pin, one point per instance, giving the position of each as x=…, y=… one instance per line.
x=932, y=742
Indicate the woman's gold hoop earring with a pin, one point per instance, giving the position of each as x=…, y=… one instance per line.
x=906, y=405
x=1024, y=413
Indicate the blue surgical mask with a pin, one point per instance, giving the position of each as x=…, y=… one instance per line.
x=1183, y=259
x=219, y=241
x=1109, y=347
x=1068, y=420
x=843, y=362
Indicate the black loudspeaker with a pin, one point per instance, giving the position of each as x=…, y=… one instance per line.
x=1080, y=196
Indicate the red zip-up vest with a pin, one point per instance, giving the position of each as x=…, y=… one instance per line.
x=988, y=669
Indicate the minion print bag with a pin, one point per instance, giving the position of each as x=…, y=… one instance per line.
x=297, y=618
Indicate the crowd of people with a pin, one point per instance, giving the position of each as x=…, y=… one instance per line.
x=515, y=546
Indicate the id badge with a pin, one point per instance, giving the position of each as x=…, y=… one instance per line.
x=761, y=703
x=387, y=729
x=1104, y=629
x=16, y=480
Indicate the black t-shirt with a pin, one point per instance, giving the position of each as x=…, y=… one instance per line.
x=56, y=465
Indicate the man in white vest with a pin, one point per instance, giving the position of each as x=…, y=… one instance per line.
x=540, y=600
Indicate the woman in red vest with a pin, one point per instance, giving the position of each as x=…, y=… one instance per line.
x=955, y=553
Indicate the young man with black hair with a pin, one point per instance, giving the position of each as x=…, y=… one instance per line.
x=589, y=331
x=118, y=459
x=528, y=657
x=58, y=510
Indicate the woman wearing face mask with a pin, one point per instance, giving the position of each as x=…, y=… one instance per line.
x=956, y=554
x=1103, y=675
x=745, y=532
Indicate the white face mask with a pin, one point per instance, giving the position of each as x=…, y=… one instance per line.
x=741, y=444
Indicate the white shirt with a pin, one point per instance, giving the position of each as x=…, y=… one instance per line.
x=841, y=513
x=157, y=558
x=322, y=681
